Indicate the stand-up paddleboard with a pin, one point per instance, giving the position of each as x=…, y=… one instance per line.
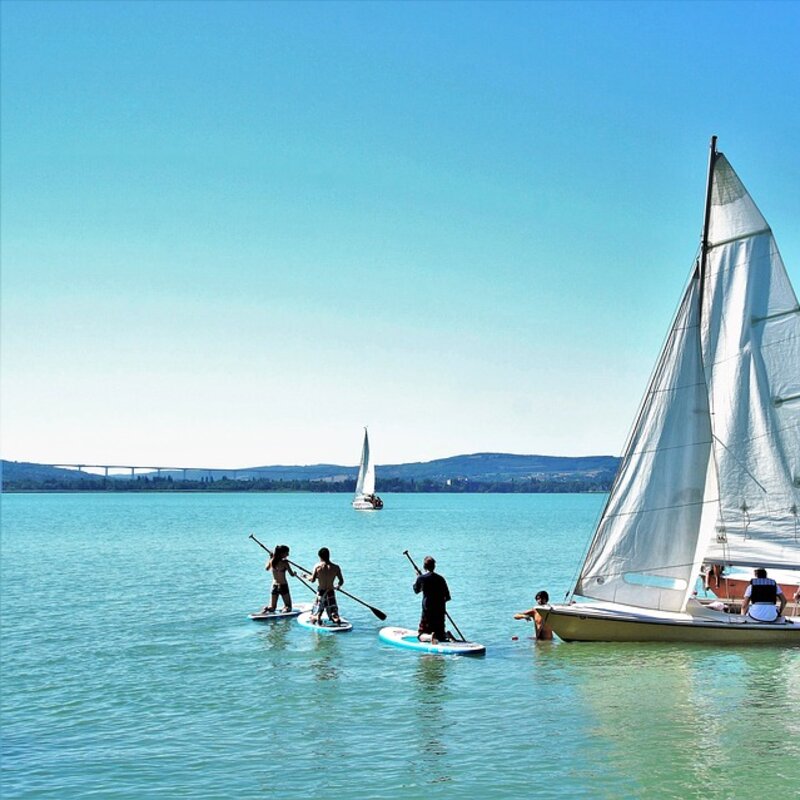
x=268, y=616
x=404, y=637
x=326, y=627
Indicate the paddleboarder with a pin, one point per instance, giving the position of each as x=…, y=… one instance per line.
x=543, y=631
x=435, y=596
x=278, y=565
x=325, y=574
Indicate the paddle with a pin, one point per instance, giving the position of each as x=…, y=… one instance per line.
x=264, y=547
x=376, y=611
x=419, y=572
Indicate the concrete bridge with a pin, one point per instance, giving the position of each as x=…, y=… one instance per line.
x=134, y=470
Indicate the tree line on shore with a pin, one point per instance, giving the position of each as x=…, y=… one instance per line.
x=143, y=483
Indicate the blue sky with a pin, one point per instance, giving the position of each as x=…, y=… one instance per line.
x=234, y=233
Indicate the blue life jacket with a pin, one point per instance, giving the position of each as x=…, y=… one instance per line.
x=763, y=590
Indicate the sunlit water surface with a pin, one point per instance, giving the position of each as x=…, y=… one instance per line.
x=130, y=668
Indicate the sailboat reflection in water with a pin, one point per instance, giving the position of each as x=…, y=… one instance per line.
x=711, y=471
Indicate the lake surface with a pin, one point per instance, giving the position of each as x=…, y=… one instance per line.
x=130, y=668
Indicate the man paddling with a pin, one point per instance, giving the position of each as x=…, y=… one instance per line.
x=435, y=596
x=325, y=573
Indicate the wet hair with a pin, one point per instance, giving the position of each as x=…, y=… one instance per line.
x=429, y=562
x=325, y=554
x=760, y=572
x=542, y=597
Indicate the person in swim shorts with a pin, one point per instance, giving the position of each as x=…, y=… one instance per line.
x=328, y=577
x=278, y=565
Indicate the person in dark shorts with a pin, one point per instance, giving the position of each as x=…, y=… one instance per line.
x=278, y=565
x=325, y=573
x=435, y=596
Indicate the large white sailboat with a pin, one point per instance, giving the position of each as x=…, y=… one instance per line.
x=711, y=470
x=365, y=498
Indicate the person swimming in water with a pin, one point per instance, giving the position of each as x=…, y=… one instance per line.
x=543, y=630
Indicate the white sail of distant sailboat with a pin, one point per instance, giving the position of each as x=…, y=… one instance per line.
x=711, y=471
x=365, y=498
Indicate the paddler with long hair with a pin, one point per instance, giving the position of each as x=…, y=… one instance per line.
x=278, y=565
x=325, y=574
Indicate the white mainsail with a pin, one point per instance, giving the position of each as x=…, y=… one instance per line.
x=751, y=352
x=712, y=467
x=365, y=485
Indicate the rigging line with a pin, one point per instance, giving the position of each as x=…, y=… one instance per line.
x=661, y=508
x=670, y=447
x=677, y=388
x=733, y=456
x=744, y=257
x=650, y=571
x=739, y=238
x=770, y=434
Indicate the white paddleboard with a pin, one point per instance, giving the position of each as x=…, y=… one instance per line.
x=405, y=637
x=326, y=627
x=268, y=616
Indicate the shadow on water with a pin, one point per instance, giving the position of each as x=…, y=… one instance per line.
x=430, y=695
x=277, y=636
x=326, y=655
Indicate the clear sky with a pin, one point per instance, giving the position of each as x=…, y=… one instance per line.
x=234, y=233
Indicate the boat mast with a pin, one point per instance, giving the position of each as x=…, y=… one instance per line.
x=705, y=246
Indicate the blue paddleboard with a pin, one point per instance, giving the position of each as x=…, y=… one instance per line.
x=269, y=616
x=404, y=637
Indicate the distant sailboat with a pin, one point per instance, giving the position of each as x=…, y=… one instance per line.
x=711, y=471
x=365, y=498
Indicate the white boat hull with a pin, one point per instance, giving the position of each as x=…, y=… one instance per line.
x=365, y=505
x=595, y=623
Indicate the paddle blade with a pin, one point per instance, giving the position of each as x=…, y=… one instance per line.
x=378, y=613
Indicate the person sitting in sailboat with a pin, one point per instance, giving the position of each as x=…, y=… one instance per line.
x=760, y=598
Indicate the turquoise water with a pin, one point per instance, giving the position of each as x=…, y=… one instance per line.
x=130, y=669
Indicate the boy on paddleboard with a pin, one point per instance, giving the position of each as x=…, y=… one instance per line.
x=435, y=596
x=278, y=565
x=325, y=573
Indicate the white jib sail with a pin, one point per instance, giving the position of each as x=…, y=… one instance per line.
x=366, y=472
x=644, y=549
x=751, y=353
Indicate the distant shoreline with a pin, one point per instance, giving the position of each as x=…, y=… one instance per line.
x=477, y=473
x=96, y=490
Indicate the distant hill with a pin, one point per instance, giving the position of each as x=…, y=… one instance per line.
x=27, y=471
x=491, y=469
x=499, y=467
